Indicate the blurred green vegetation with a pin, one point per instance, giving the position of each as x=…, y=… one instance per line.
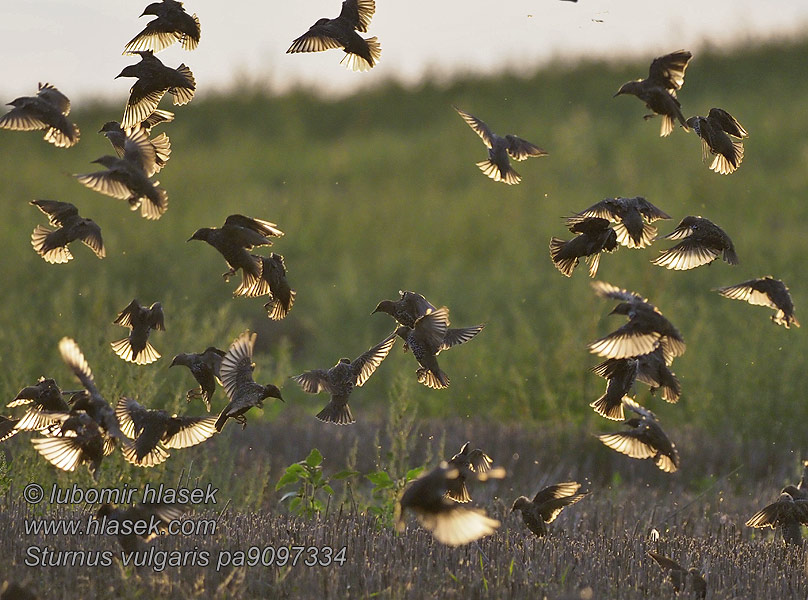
x=379, y=192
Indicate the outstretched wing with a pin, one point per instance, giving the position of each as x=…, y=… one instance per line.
x=477, y=125
x=365, y=365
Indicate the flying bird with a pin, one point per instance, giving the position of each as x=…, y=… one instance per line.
x=273, y=282
x=500, y=151
x=644, y=439
x=721, y=135
x=450, y=522
x=51, y=244
x=8, y=427
x=136, y=348
x=651, y=370
x=237, y=379
x=681, y=579
x=786, y=514
x=658, y=91
x=153, y=431
x=42, y=399
x=340, y=380
x=205, y=369
x=594, y=236
x=410, y=307
x=547, y=504
x=47, y=110
x=161, y=145
x=234, y=240
x=361, y=54
x=633, y=218
x=702, y=242
x=621, y=374
x=75, y=440
x=765, y=291
x=172, y=24
x=127, y=178
x=154, y=79
x=469, y=463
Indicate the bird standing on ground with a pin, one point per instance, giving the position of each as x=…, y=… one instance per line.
x=765, y=291
x=702, y=242
x=51, y=245
x=141, y=320
x=658, y=91
x=547, y=505
x=594, y=236
x=237, y=379
x=686, y=580
x=47, y=110
x=632, y=215
x=361, y=54
x=469, y=463
x=340, y=380
x=205, y=369
x=500, y=150
x=172, y=24
x=721, y=135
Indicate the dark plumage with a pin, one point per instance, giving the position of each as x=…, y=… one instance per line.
x=428, y=338
x=42, y=398
x=234, y=240
x=205, y=369
x=75, y=440
x=273, y=282
x=47, y=110
x=148, y=513
x=765, y=292
x=500, y=151
x=594, y=236
x=621, y=373
x=651, y=370
x=160, y=144
x=51, y=244
x=658, y=91
x=340, y=380
x=547, y=505
x=237, y=379
x=8, y=427
x=407, y=309
x=127, y=178
x=645, y=331
x=361, y=54
x=154, y=79
x=153, y=431
x=172, y=24
x=684, y=580
x=644, y=439
x=787, y=514
x=141, y=320
x=721, y=136
x=702, y=242
x=469, y=463
x=632, y=215
x=450, y=522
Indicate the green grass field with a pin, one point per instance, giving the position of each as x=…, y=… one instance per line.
x=379, y=192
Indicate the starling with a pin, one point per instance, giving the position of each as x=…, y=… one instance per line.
x=632, y=215
x=645, y=331
x=172, y=24
x=687, y=580
x=205, y=369
x=160, y=144
x=498, y=166
x=547, y=505
x=273, y=282
x=468, y=463
x=51, y=245
x=155, y=430
x=428, y=338
x=8, y=427
x=154, y=79
x=621, y=373
x=361, y=54
x=237, y=379
x=721, y=136
x=76, y=440
x=234, y=240
x=407, y=309
x=702, y=242
x=449, y=522
x=127, y=179
x=43, y=398
x=136, y=347
x=644, y=439
x=652, y=370
x=765, y=292
x=139, y=513
x=594, y=236
x=665, y=77
x=47, y=110
x=339, y=381
x=90, y=400
x=787, y=513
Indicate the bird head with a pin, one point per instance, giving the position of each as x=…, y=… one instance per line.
x=632, y=87
x=111, y=127
x=180, y=359
x=621, y=309
x=385, y=306
x=153, y=9
x=107, y=161
x=272, y=391
x=521, y=503
x=201, y=234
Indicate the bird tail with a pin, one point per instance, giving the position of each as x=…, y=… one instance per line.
x=185, y=93
x=730, y=256
x=431, y=379
x=41, y=241
x=507, y=175
x=146, y=356
x=666, y=126
x=63, y=138
x=156, y=204
x=339, y=414
x=593, y=261
x=367, y=57
x=253, y=284
x=189, y=42
x=277, y=310
x=221, y=421
x=565, y=265
x=606, y=407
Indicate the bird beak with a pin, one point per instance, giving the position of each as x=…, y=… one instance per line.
x=617, y=94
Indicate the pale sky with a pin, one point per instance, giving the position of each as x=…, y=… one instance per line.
x=76, y=44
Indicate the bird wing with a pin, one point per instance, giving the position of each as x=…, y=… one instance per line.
x=669, y=71
x=107, y=183
x=433, y=327
x=128, y=314
x=265, y=228
x=365, y=365
x=605, y=209
x=90, y=234
x=607, y=290
x=747, y=292
x=74, y=359
x=313, y=382
x=155, y=318
x=459, y=335
x=314, y=40
x=237, y=365
x=649, y=211
x=687, y=254
x=54, y=97
x=184, y=432
x=139, y=150
x=480, y=461
x=20, y=119
x=57, y=212
x=158, y=35
x=357, y=13
x=627, y=442
x=478, y=126
x=131, y=416
x=520, y=149
x=626, y=342
x=727, y=122
x=558, y=490
x=142, y=102
x=552, y=508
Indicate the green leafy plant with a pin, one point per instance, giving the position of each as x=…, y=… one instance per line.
x=386, y=491
x=311, y=484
